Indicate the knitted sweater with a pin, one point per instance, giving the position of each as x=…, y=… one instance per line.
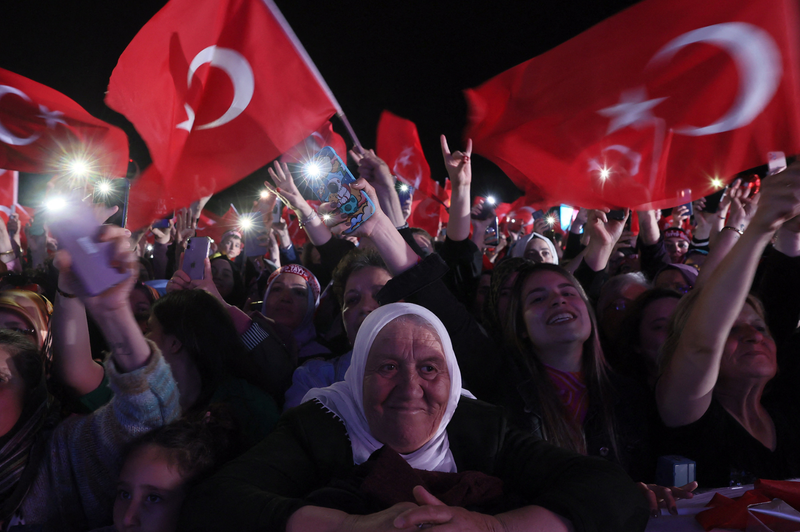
x=76, y=483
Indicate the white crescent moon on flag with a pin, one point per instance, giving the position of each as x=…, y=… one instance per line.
x=238, y=69
x=5, y=135
x=758, y=61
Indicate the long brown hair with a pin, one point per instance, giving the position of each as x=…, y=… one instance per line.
x=558, y=429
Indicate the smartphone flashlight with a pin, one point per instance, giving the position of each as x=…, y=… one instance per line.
x=312, y=169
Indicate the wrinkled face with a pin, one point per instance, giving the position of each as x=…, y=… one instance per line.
x=12, y=393
x=653, y=328
x=673, y=280
x=15, y=322
x=150, y=492
x=676, y=248
x=406, y=386
x=360, y=290
x=538, y=251
x=222, y=273
x=287, y=301
x=231, y=246
x=553, y=311
x=749, y=351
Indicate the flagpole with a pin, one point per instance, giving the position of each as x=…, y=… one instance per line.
x=302, y=51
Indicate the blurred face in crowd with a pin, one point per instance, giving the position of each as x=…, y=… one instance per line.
x=538, y=251
x=424, y=243
x=287, y=301
x=12, y=393
x=653, y=328
x=140, y=306
x=222, y=273
x=150, y=492
x=553, y=310
x=504, y=298
x=749, y=352
x=612, y=307
x=484, y=286
x=406, y=385
x=672, y=280
x=406, y=201
x=676, y=248
x=360, y=290
x=231, y=246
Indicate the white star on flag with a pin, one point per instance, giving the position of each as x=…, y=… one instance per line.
x=633, y=109
x=51, y=118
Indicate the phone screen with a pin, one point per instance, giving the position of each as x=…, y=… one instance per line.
x=113, y=193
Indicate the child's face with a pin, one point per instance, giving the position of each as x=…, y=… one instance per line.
x=150, y=492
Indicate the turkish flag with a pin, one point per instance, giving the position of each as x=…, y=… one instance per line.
x=324, y=136
x=42, y=131
x=645, y=108
x=213, y=226
x=217, y=89
x=9, y=184
x=398, y=145
x=297, y=233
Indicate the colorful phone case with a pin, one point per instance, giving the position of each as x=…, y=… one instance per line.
x=332, y=186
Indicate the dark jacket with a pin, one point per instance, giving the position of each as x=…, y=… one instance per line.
x=261, y=489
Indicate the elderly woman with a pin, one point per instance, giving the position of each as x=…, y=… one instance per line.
x=402, y=396
x=720, y=357
x=291, y=299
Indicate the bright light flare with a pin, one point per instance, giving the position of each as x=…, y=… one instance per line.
x=313, y=169
x=605, y=173
x=55, y=204
x=403, y=188
x=79, y=168
x=550, y=220
x=245, y=223
x=104, y=187
x=149, y=247
x=490, y=200
x=326, y=217
x=717, y=183
x=265, y=194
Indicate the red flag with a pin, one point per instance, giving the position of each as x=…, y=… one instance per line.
x=324, y=136
x=213, y=226
x=9, y=184
x=298, y=234
x=398, y=145
x=42, y=131
x=651, y=103
x=217, y=89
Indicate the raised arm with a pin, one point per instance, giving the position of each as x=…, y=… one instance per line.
x=318, y=233
x=459, y=170
x=684, y=391
x=377, y=173
x=648, y=227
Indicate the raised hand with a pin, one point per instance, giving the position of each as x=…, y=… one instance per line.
x=373, y=168
x=284, y=187
x=185, y=227
x=662, y=497
x=337, y=221
x=163, y=236
x=458, y=164
x=780, y=198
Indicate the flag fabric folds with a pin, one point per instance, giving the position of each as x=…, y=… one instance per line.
x=42, y=131
x=324, y=136
x=646, y=108
x=217, y=89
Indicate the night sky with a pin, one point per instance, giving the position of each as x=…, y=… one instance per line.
x=413, y=58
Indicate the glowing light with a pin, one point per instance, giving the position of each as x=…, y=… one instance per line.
x=55, y=204
x=550, y=220
x=326, y=217
x=604, y=173
x=104, y=187
x=490, y=200
x=79, y=168
x=265, y=194
x=403, y=188
x=245, y=223
x=149, y=247
x=313, y=169
x=717, y=182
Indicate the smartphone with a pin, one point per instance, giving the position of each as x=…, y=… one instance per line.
x=251, y=246
x=491, y=237
x=777, y=162
x=164, y=222
x=195, y=255
x=404, y=191
x=330, y=180
x=37, y=224
x=114, y=192
x=487, y=209
x=616, y=214
x=712, y=201
x=689, y=208
x=538, y=215
x=277, y=212
x=76, y=229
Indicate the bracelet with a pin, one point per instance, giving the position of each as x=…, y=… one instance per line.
x=404, y=226
x=7, y=252
x=302, y=222
x=64, y=294
x=732, y=228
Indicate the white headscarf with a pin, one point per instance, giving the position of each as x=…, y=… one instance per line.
x=346, y=398
x=522, y=244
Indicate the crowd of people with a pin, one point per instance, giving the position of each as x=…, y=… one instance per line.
x=389, y=379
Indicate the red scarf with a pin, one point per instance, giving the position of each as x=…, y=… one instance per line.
x=572, y=391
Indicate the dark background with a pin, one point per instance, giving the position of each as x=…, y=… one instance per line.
x=413, y=58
